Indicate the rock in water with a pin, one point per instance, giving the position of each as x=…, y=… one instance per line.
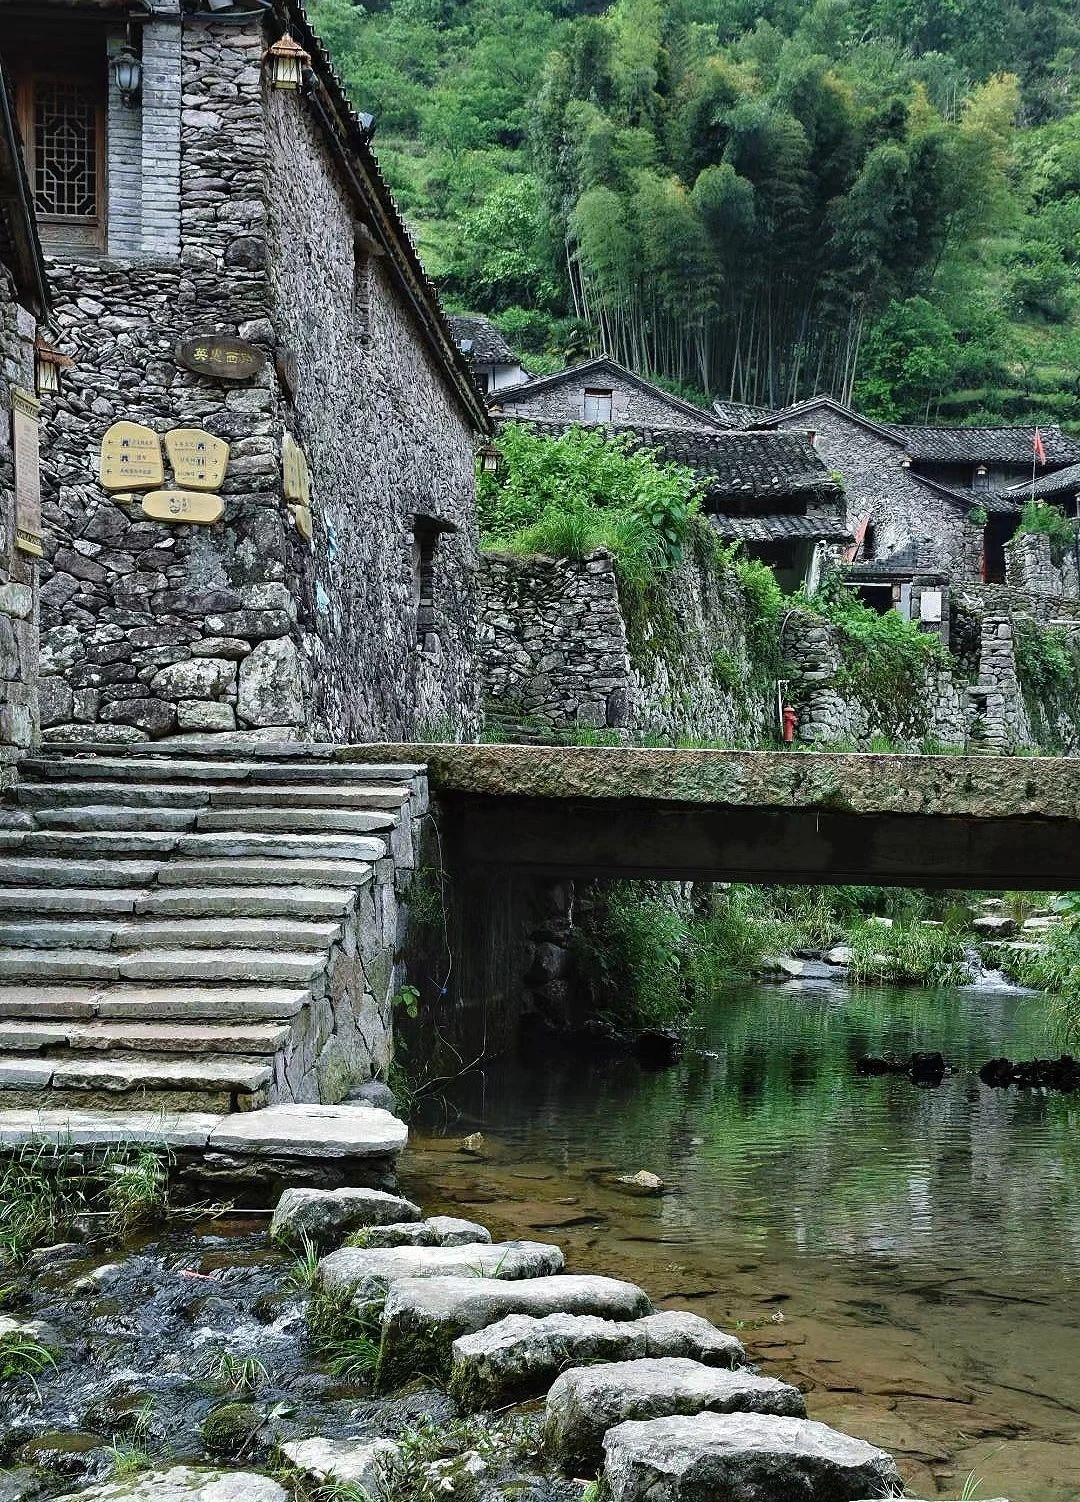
x=520, y=1356
x=326, y=1216
x=587, y=1401
x=357, y=1270
x=438, y=1230
x=348, y=1462
x=185, y=1484
x=749, y=1456
x=641, y=1183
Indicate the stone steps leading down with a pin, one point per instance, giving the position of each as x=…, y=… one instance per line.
x=200, y=933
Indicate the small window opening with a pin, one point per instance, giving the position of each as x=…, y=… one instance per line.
x=362, y=290
x=597, y=405
x=869, y=542
x=424, y=545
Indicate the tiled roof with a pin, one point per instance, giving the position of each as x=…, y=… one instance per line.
x=992, y=502
x=819, y=522
x=486, y=344
x=729, y=464
x=741, y=415
x=1063, y=482
x=985, y=445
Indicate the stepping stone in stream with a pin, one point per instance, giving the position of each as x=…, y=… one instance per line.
x=437, y=1230
x=366, y=1464
x=365, y=1274
x=423, y=1316
x=586, y=1401
x=184, y=1484
x=754, y=1457
x=326, y=1216
x=519, y=1357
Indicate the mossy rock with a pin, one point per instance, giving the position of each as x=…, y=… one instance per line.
x=230, y=1428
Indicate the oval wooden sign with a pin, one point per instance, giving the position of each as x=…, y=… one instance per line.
x=221, y=356
x=187, y=506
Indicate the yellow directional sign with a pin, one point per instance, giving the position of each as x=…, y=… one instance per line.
x=198, y=458
x=296, y=477
x=131, y=457
x=194, y=506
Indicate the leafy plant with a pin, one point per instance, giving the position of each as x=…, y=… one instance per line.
x=24, y=1356
x=304, y=1272
x=919, y=953
x=239, y=1375
x=1038, y=518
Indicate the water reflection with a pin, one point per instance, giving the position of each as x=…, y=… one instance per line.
x=943, y=1224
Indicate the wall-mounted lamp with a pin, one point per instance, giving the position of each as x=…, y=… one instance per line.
x=905, y=462
x=490, y=459
x=287, y=60
x=128, y=74
x=48, y=363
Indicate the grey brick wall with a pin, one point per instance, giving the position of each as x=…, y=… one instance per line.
x=123, y=128
x=160, y=221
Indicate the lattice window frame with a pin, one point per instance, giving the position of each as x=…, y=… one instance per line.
x=79, y=230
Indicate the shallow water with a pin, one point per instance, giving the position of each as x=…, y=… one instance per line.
x=910, y=1257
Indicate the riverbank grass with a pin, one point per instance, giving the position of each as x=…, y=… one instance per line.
x=914, y=953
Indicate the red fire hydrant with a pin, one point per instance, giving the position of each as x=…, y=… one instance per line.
x=791, y=723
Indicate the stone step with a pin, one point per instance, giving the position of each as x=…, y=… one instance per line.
x=301, y=1132
x=142, y=1037
x=182, y=902
x=586, y=1401
x=424, y=1316
x=206, y=769
x=223, y=1074
x=367, y=795
x=50, y=871
x=35, y=795
x=169, y=933
x=147, y=1003
x=519, y=1357
x=746, y=1455
x=364, y=1273
x=112, y=818
x=263, y=872
x=296, y=820
x=76, y=845
x=62, y=793
x=187, y=965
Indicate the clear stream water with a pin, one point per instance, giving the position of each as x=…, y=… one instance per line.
x=910, y=1257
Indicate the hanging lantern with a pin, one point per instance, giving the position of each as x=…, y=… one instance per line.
x=287, y=60
x=490, y=459
x=48, y=363
x=128, y=74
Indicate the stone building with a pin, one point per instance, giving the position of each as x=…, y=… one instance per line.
x=604, y=393
x=492, y=361
x=23, y=302
x=232, y=277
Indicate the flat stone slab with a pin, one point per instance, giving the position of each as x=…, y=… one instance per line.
x=184, y=1484
x=586, y=1401
x=749, y=1456
x=326, y=1216
x=437, y=1230
x=365, y=1271
x=520, y=1356
x=349, y=1462
x=186, y=1129
x=311, y=1132
x=428, y=1314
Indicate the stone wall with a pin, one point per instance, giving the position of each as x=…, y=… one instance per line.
x=18, y=603
x=901, y=509
x=387, y=443
x=556, y=652
x=1030, y=568
x=150, y=629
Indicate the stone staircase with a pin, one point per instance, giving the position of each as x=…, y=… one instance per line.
x=209, y=934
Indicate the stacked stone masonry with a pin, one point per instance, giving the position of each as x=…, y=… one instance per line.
x=246, y=229
x=18, y=608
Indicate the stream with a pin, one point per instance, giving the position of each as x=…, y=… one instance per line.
x=910, y=1257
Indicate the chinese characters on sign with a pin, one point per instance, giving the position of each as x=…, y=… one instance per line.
x=24, y=420
x=131, y=458
x=221, y=356
x=198, y=458
x=191, y=506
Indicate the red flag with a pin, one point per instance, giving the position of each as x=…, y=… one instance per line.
x=1040, y=452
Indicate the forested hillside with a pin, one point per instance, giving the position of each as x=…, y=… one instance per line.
x=875, y=198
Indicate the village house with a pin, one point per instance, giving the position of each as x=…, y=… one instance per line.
x=258, y=494
x=490, y=358
x=603, y=393
x=25, y=364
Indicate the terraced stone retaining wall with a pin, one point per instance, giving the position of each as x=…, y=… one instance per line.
x=18, y=571
x=152, y=630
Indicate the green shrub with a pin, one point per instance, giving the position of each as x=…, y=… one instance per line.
x=633, y=955
x=1040, y=519
x=916, y=953
x=1055, y=967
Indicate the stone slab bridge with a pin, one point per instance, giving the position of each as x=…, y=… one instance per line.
x=762, y=816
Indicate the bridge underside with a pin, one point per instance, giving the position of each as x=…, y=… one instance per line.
x=964, y=821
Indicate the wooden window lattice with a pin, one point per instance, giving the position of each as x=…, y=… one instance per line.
x=65, y=149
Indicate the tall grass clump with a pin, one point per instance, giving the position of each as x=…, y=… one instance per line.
x=1055, y=967
x=634, y=955
x=914, y=953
